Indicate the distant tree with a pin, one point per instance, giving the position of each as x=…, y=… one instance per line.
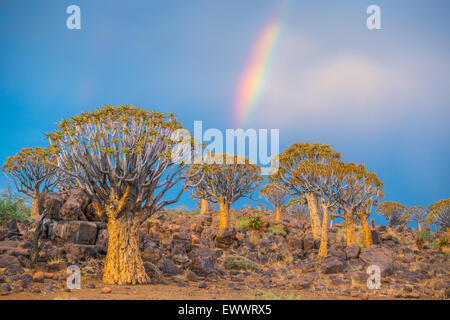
x=394, y=213
x=123, y=157
x=418, y=214
x=298, y=208
x=32, y=170
x=439, y=213
x=12, y=205
x=289, y=175
x=359, y=191
x=325, y=177
x=224, y=182
x=277, y=196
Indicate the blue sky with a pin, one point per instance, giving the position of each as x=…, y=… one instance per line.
x=380, y=97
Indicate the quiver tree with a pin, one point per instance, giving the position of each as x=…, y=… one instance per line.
x=224, y=182
x=439, y=213
x=324, y=178
x=360, y=192
x=394, y=213
x=32, y=171
x=298, y=208
x=287, y=175
x=418, y=214
x=122, y=156
x=277, y=196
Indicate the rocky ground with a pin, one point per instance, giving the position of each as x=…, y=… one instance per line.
x=187, y=257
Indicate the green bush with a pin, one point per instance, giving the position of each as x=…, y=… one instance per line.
x=255, y=222
x=10, y=208
x=239, y=263
x=422, y=236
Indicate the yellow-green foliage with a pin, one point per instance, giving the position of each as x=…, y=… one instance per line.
x=255, y=222
x=276, y=229
x=242, y=223
x=12, y=207
x=239, y=263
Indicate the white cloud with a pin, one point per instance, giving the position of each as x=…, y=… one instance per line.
x=309, y=86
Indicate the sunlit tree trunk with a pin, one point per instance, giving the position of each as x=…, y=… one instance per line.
x=350, y=228
x=277, y=214
x=35, y=204
x=419, y=226
x=204, y=206
x=123, y=263
x=323, y=250
x=314, y=213
x=366, y=230
x=224, y=214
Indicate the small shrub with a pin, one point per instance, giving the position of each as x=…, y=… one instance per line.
x=255, y=222
x=420, y=239
x=10, y=208
x=242, y=223
x=276, y=229
x=239, y=263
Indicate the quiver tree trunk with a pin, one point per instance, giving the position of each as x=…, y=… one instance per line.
x=367, y=235
x=123, y=264
x=204, y=206
x=35, y=204
x=314, y=213
x=277, y=213
x=350, y=228
x=224, y=217
x=323, y=250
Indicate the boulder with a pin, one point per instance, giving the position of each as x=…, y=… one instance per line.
x=202, y=266
x=332, y=265
x=352, y=252
x=5, y=288
x=79, y=232
x=224, y=237
x=101, y=245
x=7, y=260
x=375, y=237
x=77, y=252
x=169, y=268
x=308, y=244
x=380, y=256
x=71, y=210
x=154, y=273
x=80, y=196
x=53, y=201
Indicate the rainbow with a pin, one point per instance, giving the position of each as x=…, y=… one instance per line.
x=252, y=78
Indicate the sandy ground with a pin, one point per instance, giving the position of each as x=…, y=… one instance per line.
x=188, y=291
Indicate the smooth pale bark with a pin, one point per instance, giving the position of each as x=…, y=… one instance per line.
x=366, y=230
x=35, y=204
x=314, y=214
x=350, y=234
x=123, y=264
x=224, y=221
x=203, y=206
x=277, y=214
x=323, y=250
x=418, y=226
